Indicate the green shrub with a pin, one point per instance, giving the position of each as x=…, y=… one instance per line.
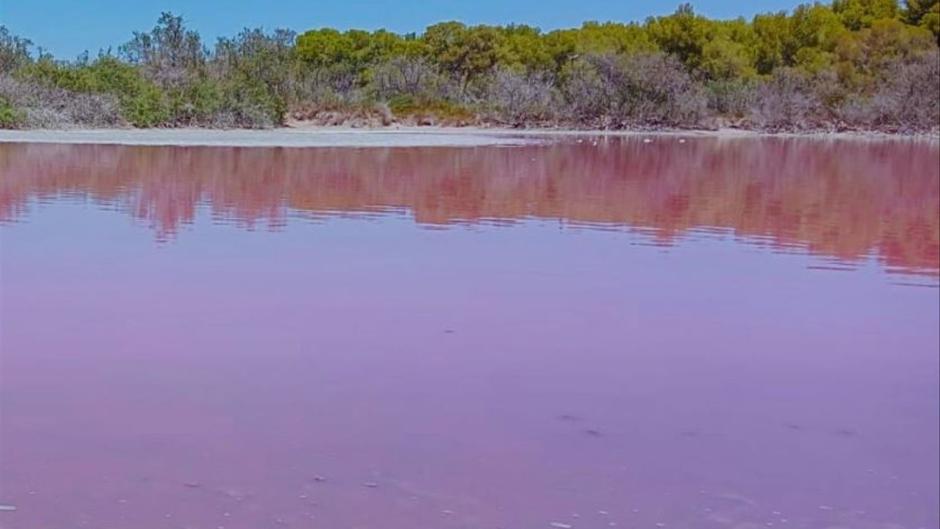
x=142, y=103
x=10, y=117
x=406, y=105
x=145, y=107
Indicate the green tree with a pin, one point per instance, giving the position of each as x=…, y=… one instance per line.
x=526, y=48
x=858, y=14
x=773, y=46
x=682, y=34
x=930, y=20
x=464, y=52
x=324, y=47
x=724, y=59
x=915, y=10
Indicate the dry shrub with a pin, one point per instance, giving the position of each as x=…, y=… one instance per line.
x=356, y=116
x=329, y=86
x=47, y=107
x=787, y=101
x=410, y=76
x=732, y=99
x=646, y=90
x=909, y=99
x=521, y=99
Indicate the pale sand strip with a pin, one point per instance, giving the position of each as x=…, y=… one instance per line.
x=385, y=137
x=283, y=137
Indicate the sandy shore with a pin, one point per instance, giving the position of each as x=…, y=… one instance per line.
x=387, y=137
x=283, y=137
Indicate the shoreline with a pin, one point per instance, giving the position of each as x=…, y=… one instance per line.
x=413, y=136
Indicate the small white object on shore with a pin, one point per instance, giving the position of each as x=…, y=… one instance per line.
x=560, y=525
x=7, y=508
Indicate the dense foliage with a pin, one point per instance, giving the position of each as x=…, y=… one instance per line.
x=852, y=64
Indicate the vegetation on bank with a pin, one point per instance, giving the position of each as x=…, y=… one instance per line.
x=849, y=65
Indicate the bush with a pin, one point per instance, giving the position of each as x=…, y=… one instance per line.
x=140, y=102
x=519, y=99
x=909, y=98
x=10, y=118
x=787, y=102
x=145, y=107
x=430, y=112
x=732, y=99
x=638, y=90
x=41, y=106
x=410, y=76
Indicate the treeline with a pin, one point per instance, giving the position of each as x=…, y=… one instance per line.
x=852, y=64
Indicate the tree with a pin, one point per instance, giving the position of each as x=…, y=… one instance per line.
x=257, y=71
x=14, y=51
x=814, y=26
x=773, y=44
x=324, y=47
x=858, y=14
x=724, y=59
x=168, y=51
x=915, y=10
x=682, y=34
x=464, y=52
x=525, y=48
x=931, y=21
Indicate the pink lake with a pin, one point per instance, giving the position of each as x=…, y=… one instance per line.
x=712, y=333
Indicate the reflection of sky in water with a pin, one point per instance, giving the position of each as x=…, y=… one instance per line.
x=629, y=235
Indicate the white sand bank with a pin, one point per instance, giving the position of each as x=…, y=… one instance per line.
x=284, y=137
x=385, y=137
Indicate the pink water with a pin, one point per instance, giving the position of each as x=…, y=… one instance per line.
x=706, y=334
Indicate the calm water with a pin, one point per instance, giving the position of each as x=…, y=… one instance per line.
x=705, y=334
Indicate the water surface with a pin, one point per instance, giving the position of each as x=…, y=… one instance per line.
x=691, y=333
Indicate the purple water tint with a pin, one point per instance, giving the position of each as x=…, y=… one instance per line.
x=707, y=334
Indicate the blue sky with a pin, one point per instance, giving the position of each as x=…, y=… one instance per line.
x=68, y=27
